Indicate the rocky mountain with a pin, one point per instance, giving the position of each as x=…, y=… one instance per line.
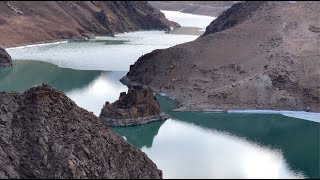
x=44, y=135
x=139, y=106
x=254, y=56
x=5, y=58
x=23, y=22
x=209, y=8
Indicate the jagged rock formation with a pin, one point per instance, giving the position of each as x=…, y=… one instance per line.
x=139, y=106
x=44, y=135
x=261, y=56
x=5, y=58
x=25, y=22
x=209, y=8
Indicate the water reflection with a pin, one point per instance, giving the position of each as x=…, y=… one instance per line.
x=25, y=74
x=299, y=140
x=183, y=150
x=89, y=89
x=140, y=136
x=106, y=87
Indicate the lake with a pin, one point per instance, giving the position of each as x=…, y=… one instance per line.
x=188, y=145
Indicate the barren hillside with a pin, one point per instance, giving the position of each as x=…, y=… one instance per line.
x=267, y=59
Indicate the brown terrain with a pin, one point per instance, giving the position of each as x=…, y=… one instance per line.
x=26, y=22
x=44, y=134
x=208, y=8
x=256, y=55
x=139, y=106
x=5, y=58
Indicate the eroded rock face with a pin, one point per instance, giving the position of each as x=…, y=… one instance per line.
x=5, y=58
x=139, y=106
x=44, y=134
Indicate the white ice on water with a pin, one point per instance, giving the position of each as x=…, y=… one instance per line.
x=311, y=116
x=188, y=20
x=97, y=55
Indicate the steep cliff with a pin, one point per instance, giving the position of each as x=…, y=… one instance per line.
x=44, y=135
x=255, y=56
x=32, y=21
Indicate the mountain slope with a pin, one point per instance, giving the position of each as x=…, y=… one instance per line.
x=268, y=60
x=44, y=134
x=31, y=21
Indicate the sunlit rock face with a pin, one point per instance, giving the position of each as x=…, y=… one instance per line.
x=27, y=22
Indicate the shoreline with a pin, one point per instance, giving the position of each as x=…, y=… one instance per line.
x=45, y=42
x=37, y=43
x=310, y=116
x=117, y=122
x=58, y=41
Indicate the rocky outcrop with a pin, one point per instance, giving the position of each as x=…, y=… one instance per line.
x=26, y=22
x=44, y=135
x=261, y=56
x=5, y=58
x=208, y=8
x=139, y=106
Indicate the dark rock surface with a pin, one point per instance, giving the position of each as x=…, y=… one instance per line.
x=5, y=58
x=236, y=14
x=26, y=22
x=257, y=55
x=139, y=106
x=44, y=134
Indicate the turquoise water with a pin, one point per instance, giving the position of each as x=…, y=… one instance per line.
x=283, y=147
x=190, y=144
x=89, y=89
x=25, y=74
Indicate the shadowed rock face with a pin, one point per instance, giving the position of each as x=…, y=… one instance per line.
x=5, y=58
x=44, y=134
x=139, y=106
x=25, y=22
x=236, y=14
x=257, y=55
